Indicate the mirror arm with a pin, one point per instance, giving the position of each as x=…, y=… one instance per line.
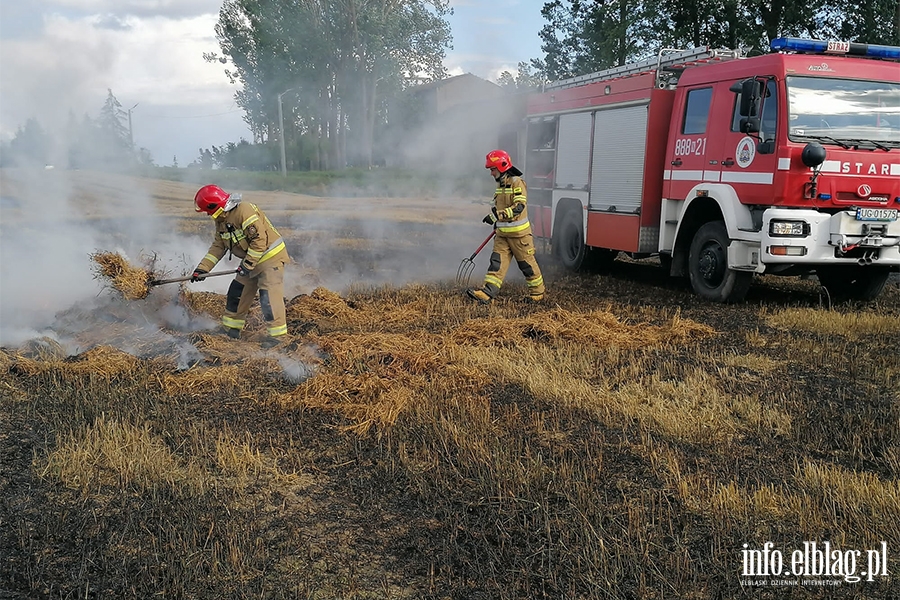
x=810, y=190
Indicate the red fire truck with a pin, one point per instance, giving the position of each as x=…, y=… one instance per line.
x=726, y=166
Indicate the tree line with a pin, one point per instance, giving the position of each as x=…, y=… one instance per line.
x=103, y=142
x=581, y=37
x=338, y=69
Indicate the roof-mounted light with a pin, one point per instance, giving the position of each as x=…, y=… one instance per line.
x=792, y=44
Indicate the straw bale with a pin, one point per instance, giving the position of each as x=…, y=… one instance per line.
x=43, y=349
x=322, y=303
x=22, y=365
x=132, y=282
x=7, y=358
x=209, y=303
x=598, y=328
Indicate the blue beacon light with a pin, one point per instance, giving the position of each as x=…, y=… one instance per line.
x=792, y=44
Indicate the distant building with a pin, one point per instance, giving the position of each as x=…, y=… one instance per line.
x=439, y=96
x=450, y=124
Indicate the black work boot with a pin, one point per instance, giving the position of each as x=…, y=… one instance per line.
x=231, y=332
x=271, y=342
x=479, y=296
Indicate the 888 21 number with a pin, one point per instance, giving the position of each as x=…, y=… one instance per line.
x=688, y=147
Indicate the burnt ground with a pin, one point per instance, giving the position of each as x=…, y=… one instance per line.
x=409, y=510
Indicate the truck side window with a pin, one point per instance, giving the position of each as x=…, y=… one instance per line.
x=769, y=113
x=769, y=116
x=736, y=115
x=696, y=111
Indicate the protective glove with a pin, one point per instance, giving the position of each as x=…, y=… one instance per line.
x=243, y=271
x=491, y=218
x=198, y=274
x=506, y=213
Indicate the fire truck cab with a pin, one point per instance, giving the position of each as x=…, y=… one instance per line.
x=725, y=166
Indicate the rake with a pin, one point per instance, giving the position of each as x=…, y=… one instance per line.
x=468, y=264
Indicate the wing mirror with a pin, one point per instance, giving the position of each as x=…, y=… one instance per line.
x=750, y=91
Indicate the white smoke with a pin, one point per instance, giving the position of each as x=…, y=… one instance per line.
x=53, y=222
x=294, y=371
x=44, y=254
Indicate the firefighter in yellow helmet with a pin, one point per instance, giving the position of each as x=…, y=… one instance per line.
x=509, y=216
x=242, y=229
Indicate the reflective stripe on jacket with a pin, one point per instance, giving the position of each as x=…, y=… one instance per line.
x=246, y=232
x=510, y=193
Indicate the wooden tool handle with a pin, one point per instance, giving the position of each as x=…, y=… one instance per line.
x=188, y=278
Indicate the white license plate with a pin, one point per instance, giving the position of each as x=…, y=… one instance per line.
x=876, y=214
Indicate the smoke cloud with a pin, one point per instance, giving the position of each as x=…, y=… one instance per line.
x=52, y=223
x=55, y=219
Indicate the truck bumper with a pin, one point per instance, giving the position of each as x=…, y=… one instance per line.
x=828, y=239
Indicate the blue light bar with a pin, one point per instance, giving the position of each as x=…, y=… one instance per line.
x=792, y=44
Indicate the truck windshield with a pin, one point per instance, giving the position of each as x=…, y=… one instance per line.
x=843, y=111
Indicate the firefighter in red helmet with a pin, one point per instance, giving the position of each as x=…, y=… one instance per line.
x=243, y=230
x=509, y=216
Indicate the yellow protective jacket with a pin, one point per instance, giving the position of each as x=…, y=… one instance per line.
x=246, y=232
x=512, y=193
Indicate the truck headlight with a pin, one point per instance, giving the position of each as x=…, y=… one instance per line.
x=789, y=228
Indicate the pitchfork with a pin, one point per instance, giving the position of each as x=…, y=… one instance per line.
x=468, y=264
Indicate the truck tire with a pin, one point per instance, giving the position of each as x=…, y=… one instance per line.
x=708, y=266
x=853, y=282
x=569, y=247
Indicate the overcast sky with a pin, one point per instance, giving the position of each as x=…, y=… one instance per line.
x=60, y=56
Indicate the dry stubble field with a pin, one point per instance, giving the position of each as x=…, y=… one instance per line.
x=623, y=440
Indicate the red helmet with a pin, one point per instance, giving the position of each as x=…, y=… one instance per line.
x=211, y=199
x=499, y=160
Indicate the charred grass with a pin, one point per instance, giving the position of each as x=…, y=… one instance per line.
x=622, y=440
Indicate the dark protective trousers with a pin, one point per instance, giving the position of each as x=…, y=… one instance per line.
x=268, y=280
x=522, y=250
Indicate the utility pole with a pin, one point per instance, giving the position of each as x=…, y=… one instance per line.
x=130, y=130
x=281, y=131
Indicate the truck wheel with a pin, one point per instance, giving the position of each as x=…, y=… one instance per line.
x=569, y=247
x=854, y=282
x=708, y=266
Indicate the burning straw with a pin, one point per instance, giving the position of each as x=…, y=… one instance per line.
x=132, y=282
